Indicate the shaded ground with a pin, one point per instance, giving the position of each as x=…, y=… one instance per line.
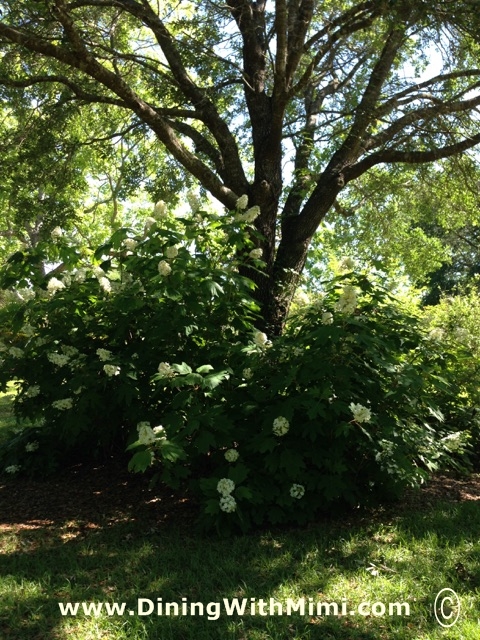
x=90, y=497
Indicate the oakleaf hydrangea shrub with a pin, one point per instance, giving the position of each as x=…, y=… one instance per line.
x=89, y=345
x=342, y=409
x=453, y=326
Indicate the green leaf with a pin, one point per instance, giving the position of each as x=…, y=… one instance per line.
x=140, y=461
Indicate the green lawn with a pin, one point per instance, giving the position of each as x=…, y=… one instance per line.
x=404, y=556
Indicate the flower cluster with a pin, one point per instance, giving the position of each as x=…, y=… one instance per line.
x=111, y=370
x=297, y=491
x=347, y=264
x=149, y=222
x=146, y=434
x=247, y=373
x=231, y=455
x=347, y=302
x=256, y=254
x=31, y=446
x=228, y=504
x=280, y=426
x=160, y=210
x=130, y=244
x=327, y=318
x=28, y=330
x=225, y=486
x=164, y=269
x=249, y=216
x=360, y=413
x=193, y=201
x=54, y=285
x=227, y=501
x=69, y=351
x=165, y=370
x=58, y=358
x=260, y=339
x=63, y=405
x=104, y=354
x=32, y=392
x=242, y=202
x=13, y=468
x=171, y=253
x=105, y=284
x=436, y=334
x=56, y=233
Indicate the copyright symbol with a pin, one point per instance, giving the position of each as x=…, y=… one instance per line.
x=447, y=607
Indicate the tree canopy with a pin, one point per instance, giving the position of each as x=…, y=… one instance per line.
x=289, y=102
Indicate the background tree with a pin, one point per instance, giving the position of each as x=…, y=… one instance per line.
x=287, y=102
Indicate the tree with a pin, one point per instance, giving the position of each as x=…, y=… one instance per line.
x=235, y=90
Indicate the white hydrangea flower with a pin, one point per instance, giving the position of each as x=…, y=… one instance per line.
x=436, y=334
x=260, y=339
x=69, y=350
x=13, y=468
x=249, y=216
x=247, y=373
x=80, y=275
x=32, y=392
x=171, y=252
x=327, y=318
x=164, y=269
x=160, y=210
x=347, y=302
x=31, y=446
x=105, y=284
x=58, y=358
x=242, y=202
x=54, y=285
x=461, y=334
x=347, y=264
x=16, y=352
x=225, y=486
x=297, y=491
x=256, y=254
x=228, y=504
x=360, y=413
x=193, y=201
x=145, y=433
x=149, y=222
x=159, y=431
x=130, y=244
x=56, y=233
x=28, y=330
x=63, y=405
x=104, y=354
x=280, y=426
x=302, y=298
x=111, y=370
x=165, y=370
x=231, y=455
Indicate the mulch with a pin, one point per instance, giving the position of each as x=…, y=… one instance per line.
x=91, y=497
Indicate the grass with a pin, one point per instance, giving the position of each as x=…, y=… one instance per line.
x=403, y=556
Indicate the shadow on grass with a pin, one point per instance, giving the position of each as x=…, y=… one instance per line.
x=126, y=559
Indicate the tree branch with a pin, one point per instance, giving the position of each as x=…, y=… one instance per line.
x=409, y=157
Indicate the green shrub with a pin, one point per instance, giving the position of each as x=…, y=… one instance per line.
x=150, y=343
x=83, y=347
